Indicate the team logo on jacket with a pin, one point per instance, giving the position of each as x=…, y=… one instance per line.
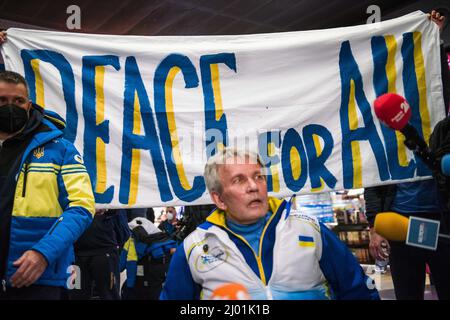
x=38, y=152
x=207, y=261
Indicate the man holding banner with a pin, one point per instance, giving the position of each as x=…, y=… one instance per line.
x=255, y=241
x=46, y=198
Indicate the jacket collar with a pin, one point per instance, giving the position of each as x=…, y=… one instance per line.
x=41, y=138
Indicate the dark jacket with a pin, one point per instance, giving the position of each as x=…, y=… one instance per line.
x=378, y=199
x=440, y=146
x=108, y=232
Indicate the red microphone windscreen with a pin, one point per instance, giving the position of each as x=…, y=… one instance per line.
x=231, y=291
x=393, y=110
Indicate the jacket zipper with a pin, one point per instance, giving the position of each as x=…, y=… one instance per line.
x=56, y=224
x=262, y=280
x=258, y=259
x=287, y=212
x=24, y=187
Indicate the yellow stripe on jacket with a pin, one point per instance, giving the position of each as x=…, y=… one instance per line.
x=41, y=195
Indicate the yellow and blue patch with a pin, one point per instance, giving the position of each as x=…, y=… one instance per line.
x=38, y=152
x=304, y=241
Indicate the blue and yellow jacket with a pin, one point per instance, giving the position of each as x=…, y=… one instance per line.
x=134, y=250
x=298, y=259
x=53, y=203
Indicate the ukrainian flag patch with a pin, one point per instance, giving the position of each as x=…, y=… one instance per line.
x=304, y=241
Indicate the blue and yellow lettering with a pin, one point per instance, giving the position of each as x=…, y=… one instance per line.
x=96, y=132
x=294, y=161
x=384, y=79
x=352, y=96
x=33, y=76
x=268, y=145
x=317, y=156
x=415, y=90
x=215, y=119
x=136, y=108
x=163, y=82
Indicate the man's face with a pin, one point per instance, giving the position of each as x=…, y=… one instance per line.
x=244, y=191
x=11, y=93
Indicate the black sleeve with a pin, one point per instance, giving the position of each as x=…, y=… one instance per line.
x=374, y=203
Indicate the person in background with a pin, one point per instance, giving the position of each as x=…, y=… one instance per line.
x=145, y=256
x=97, y=256
x=169, y=221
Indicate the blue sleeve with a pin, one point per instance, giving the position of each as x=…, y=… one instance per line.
x=131, y=267
x=121, y=229
x=343, y=272
x=179, y=284
x=123, y=259
x=128, y=260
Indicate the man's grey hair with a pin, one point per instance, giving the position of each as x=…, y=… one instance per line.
x=211, y=172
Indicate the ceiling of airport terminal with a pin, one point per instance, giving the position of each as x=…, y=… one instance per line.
x=195, y=17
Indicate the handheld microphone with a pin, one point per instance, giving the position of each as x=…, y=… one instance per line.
x=394, y=111
x=231, y=291
x=445, y=165
x=391, y=226
x=414, y=231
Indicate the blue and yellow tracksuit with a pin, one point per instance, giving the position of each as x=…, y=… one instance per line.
x=298, y=259
x=53, y=202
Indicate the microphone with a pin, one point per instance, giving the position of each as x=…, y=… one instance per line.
x=415, y=231
x=394, y=111
x=231, y=291
x=391, y=226
x=445, y=165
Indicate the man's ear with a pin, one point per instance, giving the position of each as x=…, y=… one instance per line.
x=215, y=197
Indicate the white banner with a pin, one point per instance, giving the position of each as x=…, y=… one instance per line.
x=146, y=112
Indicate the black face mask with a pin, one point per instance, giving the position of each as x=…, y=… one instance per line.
x=12, y=118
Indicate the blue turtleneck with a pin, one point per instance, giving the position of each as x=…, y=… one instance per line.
x=250, y=232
